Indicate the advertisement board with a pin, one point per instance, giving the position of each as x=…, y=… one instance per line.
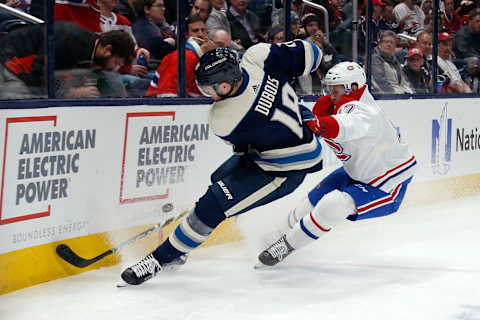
x=70, y=172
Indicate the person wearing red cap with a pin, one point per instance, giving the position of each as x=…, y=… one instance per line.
x=415, y=73
x=447, y=68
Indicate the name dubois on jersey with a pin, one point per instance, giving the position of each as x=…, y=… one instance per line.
x=267, y=96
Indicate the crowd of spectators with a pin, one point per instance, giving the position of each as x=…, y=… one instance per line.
x=401, y=61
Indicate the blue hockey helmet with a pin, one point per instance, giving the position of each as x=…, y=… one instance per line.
x=217, y=66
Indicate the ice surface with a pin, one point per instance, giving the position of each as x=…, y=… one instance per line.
x=421, y=263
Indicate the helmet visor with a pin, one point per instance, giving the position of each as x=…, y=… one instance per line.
x=208, y=90
x=336, y=90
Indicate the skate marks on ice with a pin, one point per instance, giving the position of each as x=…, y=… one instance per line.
x=374, y=270
x=470, y=312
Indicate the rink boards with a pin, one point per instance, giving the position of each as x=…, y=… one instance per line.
x=94, y=176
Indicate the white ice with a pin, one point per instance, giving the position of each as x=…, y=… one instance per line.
x=421, y=263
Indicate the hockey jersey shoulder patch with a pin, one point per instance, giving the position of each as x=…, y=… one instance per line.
x=347, y=108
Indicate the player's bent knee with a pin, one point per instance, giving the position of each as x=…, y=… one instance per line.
x=333, y=208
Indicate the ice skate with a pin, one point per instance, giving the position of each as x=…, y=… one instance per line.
x=275, y=253
x=148, y=268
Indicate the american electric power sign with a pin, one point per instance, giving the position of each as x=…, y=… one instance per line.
x=39, y=165
x=157, y=151
x=42, y=161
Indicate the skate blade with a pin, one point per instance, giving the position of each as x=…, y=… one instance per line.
x=122, y=284
x=260, y=266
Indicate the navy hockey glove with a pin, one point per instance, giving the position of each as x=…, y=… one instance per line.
x=306, y=114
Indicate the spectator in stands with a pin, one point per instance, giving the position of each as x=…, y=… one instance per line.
x=467, y=40
x=333, y=18
x=263, y=10
x=465, y=7
x=164, y=84
x=201, y=8
x=472, y=75
x=244, y=24
x=428, y=24
x=127, y=9
x=221, y=38
x=312, y=83
x=148, y=34
x=218, y=17
x=383, y=20
x=22, y=57
x=295, y=26
x=83, y=13
x=310, y=24
x=417, y=76
x=427, y=7
x=316, y=36
x=381, y=10
x=336, y=6
x=109, y=21
x=447, y=68
x=295, y=13
x=450, y=18
x=294, y=23
x=276, y=35
x=409, y=16
x=425, y=44
x=386, y=70
x=389, y=18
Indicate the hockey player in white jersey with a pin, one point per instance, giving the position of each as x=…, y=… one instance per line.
x=377, y=164
x=257, y=111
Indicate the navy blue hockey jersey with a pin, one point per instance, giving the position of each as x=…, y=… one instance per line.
x=263, y=118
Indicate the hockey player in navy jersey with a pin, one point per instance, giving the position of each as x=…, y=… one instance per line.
x=256, y=110
x=377, y=164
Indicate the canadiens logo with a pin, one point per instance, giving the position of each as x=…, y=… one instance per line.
x=338, y=149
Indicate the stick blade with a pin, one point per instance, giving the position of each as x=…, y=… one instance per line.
x=71, y=257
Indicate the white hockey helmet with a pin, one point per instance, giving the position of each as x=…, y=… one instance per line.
x=347, y=74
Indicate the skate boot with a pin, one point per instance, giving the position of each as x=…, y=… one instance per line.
x=148, y=268
x=276, y=252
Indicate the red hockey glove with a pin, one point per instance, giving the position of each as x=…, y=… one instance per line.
x=326, y=127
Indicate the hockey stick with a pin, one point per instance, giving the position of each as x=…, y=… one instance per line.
x=67, y=254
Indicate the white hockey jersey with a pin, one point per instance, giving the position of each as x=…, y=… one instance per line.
x=369, y=145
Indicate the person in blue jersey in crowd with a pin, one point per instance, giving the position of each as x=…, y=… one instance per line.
x=377, y=164
x=257, y=111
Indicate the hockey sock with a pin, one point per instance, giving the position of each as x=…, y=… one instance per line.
x=301, y=210
x=193, y=230
x=330, y=211
x=188, y=235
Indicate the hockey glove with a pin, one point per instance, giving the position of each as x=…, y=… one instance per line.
x=317, y=126
x=306, y=114
x=326, y=127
